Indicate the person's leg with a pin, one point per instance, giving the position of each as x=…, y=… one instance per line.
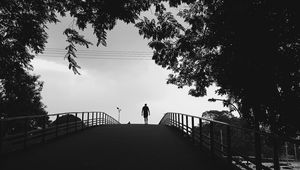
x=146, y=120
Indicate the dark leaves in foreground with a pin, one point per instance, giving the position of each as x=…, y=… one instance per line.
x=73, y=38
x=250, y=50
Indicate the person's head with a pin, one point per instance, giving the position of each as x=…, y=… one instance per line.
x=145, y=104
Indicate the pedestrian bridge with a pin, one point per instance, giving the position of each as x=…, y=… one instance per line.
x=114, y=147
x=94, y=140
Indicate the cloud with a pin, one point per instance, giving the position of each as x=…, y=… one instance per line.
x=45, y=65
x=42, y=65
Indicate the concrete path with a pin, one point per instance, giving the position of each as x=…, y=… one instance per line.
x=115, y=147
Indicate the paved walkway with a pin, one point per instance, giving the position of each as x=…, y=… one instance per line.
x=115, y=147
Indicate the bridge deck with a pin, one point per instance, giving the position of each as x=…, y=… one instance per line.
x=115, y=147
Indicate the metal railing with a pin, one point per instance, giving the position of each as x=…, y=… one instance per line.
x=243, y=148
x=21, y=132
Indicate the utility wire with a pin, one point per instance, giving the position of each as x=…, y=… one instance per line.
x=99, y=58
x=100, y=54
x=100, y=51
x=97, y=54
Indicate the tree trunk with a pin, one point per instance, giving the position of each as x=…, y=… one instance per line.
x=257, y=141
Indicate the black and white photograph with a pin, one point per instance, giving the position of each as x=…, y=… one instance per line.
x=149, y=84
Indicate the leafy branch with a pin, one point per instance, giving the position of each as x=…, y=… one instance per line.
x=73, y=37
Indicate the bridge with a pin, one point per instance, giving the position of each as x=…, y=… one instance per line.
x=95, y=140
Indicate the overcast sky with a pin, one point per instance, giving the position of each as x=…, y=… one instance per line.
x=105, y=84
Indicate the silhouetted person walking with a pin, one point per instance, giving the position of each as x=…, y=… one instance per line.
x=145, y=113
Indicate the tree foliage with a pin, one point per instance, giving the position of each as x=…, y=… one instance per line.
x=249, y=49
x=22, y=34
x=23, y=24
x=73, y=38
x=20, y=95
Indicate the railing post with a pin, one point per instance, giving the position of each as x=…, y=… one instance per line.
x=96, y=118
x=187, y=124
x=179, y=119
x=1, y=134
x=193, y=130
x=178, y=123
x=275, y=152
x=182, y=127
x=44, y=129
x=257, y=141
x=25, y=133
x=100, y=118
x=76, y=122
x=88, y=119
x=56, y=126
x=175, y=116
x=92, y=119
x=257, y=145
x=171, y=119
x=104, y=119
x=200, y=132
x=212, y=139
x=229, y=153
x=82, y=120
x=67, y=129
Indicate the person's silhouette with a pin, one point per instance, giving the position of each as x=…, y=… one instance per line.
x=145, y=113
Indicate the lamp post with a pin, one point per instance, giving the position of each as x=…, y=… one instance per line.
x=119, y=110
x=226, y=103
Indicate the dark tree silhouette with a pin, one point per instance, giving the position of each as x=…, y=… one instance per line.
x=23, y=24
x=249, y=49
x=20, y=95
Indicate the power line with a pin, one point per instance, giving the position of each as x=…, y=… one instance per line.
x=99, y=54
x=99, y=58
x=91, y=52
x=100, y=51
